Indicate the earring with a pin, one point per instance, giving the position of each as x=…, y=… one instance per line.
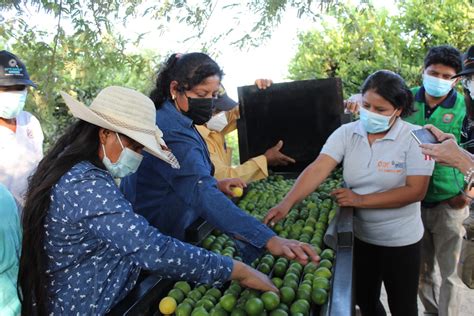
x=173, y=97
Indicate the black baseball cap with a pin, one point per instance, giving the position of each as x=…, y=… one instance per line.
x=223, y=101
x=468, y=64
x=13, y=71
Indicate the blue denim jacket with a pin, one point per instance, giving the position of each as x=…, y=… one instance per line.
x=172, y=199
x=96, y=246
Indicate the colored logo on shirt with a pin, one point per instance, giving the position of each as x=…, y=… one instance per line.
x=448, y=118
x=390, y=166
x=29, y=133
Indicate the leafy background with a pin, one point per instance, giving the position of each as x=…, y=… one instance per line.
x=84, y=52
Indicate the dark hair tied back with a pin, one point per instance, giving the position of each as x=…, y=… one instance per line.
x=392, y=88
x=189, y=70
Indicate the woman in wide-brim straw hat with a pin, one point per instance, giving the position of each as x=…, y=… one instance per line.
x=83, y=246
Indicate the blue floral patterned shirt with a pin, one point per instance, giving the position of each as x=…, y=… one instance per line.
x=96, y=246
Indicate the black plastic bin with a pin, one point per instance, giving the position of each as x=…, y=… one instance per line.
x=301, y=113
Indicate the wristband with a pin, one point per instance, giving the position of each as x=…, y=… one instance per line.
x=468, y=177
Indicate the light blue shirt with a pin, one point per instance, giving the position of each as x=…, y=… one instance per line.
x=378, y=168
x=10, y=245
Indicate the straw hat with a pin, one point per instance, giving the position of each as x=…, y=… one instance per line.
x=127, y=112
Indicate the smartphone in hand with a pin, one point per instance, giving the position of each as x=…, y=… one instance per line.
x=424, y=136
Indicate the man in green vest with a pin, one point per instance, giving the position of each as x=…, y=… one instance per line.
x=445, y=206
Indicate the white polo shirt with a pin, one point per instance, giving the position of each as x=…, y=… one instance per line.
x=379, y=168
x=20, y=153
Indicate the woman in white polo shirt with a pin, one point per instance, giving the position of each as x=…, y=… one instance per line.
x=387, y=177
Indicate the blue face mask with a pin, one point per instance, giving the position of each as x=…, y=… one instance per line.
x=128, y=162
x=374, y=123
x=436, y=87
x=12, y=103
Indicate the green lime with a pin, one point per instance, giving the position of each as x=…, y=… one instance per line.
x=287, y=295
x=323, y=272
x=327, y=254
x=239, y=311
x=195, y=295
x=183, y=286
x=310, y=267
x=303, y=294
x=291, y=276
x=206, y=243
x=199, y=311
x=278, y=282
x=279, y=269
x=184, y=309
x=264, y=268
x=319, y=296
x=177, y=294
x=189, y=300
x=210, y=298
x=228, y=302
x=284, y=307
x=321, y=283
x=325, y=263
x=214, y=292
x=207, y=304
x=254, y=307
x=291, y=283
x=202, y=289
x=270, y=300
x=278, y=312
x=218, y=312
x=300, y=306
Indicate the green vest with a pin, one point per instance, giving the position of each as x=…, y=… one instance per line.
x=443, y=181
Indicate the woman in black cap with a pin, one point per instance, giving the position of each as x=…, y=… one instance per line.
x=21, y=145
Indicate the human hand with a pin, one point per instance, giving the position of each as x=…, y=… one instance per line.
x=275, y=214
x=347, y=197
x=226, y=185
x=292, y=249
x=262, y=84
x=446, y=153
x=440, y=135
x=275, y=157
x=251, y=278
x=458, y=202
x=353, y=104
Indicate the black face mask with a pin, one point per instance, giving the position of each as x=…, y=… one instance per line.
x=200, y=110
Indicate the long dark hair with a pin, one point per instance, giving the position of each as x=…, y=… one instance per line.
x=80, y=142
x=188, y=70
x=392, y=88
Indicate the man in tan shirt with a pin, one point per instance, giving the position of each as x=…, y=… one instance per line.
x=223, y=122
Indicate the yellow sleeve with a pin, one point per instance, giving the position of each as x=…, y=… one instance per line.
x=232, y=117
x=253, y=169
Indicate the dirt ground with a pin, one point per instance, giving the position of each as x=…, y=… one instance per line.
x=467, y=301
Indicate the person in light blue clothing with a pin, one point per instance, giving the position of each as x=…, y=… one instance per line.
x=83, y=246
x=172, y=199
x=10, y=245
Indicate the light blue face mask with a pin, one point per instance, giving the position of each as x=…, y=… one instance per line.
x=12, y=103
x=374, y=123
x=128, y=162
x=436, y=87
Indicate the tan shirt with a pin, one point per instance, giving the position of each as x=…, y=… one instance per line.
x=253, y=169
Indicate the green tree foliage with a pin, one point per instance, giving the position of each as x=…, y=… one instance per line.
x=358, y=40
x=81, y=63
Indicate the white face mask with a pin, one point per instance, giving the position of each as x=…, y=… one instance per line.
x=468, y=83
x=218, y=122
x=12, y=103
